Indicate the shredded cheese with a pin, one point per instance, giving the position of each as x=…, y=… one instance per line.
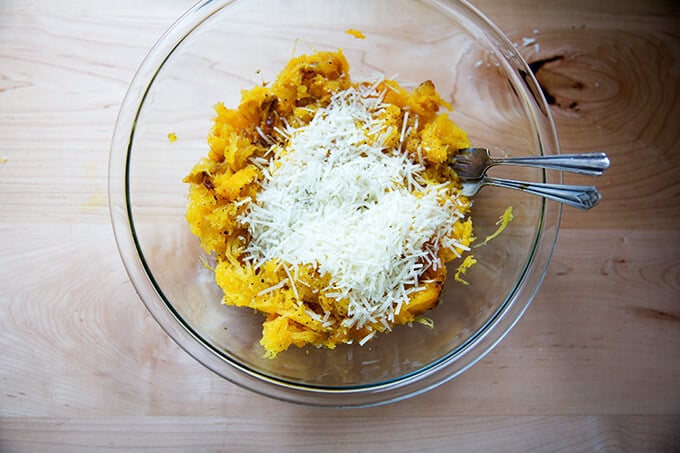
x=280, y=284
x=336, y=197
x=528, y=41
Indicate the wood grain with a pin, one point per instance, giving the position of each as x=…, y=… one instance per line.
x=593, y=365
x=613, y=83
x=562, y=341
x=431, y=434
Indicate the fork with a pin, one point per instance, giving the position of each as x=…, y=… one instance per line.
x=472, y=163
x=583, y=197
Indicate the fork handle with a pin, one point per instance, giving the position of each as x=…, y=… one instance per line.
x=592, y=164
x=583, y=197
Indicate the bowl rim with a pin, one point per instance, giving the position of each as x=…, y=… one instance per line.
x=410, y=384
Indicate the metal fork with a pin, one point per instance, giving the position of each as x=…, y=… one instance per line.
x=472, y=163
x=583, y=197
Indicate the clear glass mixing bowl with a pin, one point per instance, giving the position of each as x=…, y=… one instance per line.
x=219, y=48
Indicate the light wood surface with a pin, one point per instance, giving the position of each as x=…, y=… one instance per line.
x=593, y=365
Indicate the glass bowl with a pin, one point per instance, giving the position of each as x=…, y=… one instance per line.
x=219, y=48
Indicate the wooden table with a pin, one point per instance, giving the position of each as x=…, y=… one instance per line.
x=594, y=364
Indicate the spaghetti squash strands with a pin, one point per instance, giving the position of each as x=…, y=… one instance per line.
x=328, y=204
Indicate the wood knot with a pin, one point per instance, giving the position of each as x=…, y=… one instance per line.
x=556, y=85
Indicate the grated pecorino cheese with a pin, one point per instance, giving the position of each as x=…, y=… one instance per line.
x=336, y=197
